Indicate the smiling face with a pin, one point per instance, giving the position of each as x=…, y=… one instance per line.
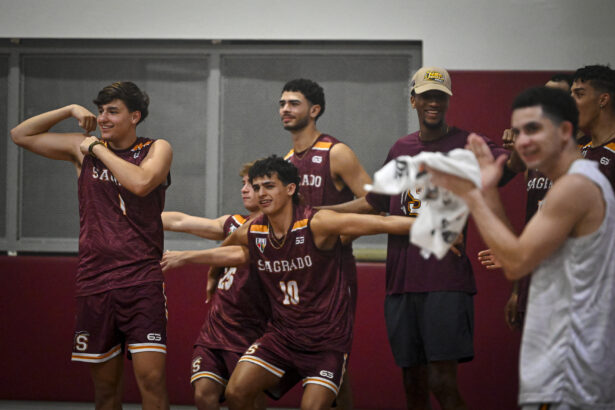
x=273, y=196
x=116, y=123
x=295, y=110
x=431, y=107
x=539, y=141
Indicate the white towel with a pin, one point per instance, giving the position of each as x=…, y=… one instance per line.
x=444, y=214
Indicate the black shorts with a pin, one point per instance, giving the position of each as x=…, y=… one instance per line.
x=429, y=327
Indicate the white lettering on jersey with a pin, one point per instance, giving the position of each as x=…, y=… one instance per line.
x=604, y=161
x=300, y=240
x=283, y=265
x=317, y=159
x=311, y=180
x=104, y=175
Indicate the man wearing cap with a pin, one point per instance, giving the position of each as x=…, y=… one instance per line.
x=429, y=307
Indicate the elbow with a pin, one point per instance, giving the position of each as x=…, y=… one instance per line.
x=17, y=136
x=515, y=270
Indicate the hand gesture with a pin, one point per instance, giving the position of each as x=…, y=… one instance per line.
x=490, y=168
x=508, y=139
x=172, y=260
x=86, y=119
x=85, y=144
x=488, y=259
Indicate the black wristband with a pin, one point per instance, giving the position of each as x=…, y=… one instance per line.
x=91, y=147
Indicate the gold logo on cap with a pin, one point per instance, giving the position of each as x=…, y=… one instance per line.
x=434, y=76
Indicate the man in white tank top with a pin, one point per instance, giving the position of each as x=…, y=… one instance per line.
x=567, y=353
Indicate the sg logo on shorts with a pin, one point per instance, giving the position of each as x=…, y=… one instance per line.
x=252, y=349
x=154, y=337
x=196, y=364
x=326, y=373
x=80, y=342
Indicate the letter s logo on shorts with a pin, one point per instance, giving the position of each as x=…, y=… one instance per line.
x=196, y=364
x=154, y=337
x=81, y=341
x=326, y=373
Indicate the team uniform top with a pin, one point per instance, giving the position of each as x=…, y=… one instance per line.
x=567, y=352
x=310, y=304
x=121, y=236
x=239, y=310
x=604, y=155
x=314, y=165
x=406, y=270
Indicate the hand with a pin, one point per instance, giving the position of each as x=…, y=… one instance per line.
x=457, y=246
x=508, y=139
x=488, y=259
x=212, y=281
x=85, y=144
x=490, y=168
x=172, y=260
x=86, y=119
x=457, y=185
x=511, y=314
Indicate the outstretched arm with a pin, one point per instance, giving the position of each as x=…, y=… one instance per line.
x=345, y=166
x=222, y=256
x=203, y=227
x=356, y=206
x=328, y=225
x=139, y=179
x=33, y=134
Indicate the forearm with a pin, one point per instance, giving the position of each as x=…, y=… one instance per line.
x=203, y=227
x=357, y=206
x=222, y=256
x=40, y=123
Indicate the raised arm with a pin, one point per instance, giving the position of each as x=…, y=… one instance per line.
x=33, y=134
x=139, y=179
x=346, y=166
x=203, y=227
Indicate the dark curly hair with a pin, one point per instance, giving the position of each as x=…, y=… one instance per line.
x=310, y=90
x=286, y=172
x=128, y=93
x=556, y=104
x=601, y=77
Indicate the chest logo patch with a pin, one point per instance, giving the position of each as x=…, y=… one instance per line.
x=317, y=159
x=261, y=243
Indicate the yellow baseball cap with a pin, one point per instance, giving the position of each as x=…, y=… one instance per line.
x=431, y=78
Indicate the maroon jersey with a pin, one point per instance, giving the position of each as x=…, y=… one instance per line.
x=406, y=269
x=239, y=310
x=604, y=155
x=314, y=165
x=310, y=304
x=317, y=188
x=121, y=236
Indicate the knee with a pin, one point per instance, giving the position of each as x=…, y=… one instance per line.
x=204, y=399
x=442, y=382
x=152, y=380
x=238, y=397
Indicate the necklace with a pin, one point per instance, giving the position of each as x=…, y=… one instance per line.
x=275, y=242
x=301, y=154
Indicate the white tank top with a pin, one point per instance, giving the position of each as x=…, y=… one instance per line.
x=568, y=347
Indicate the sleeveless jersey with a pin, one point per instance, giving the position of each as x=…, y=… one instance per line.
x=567, y=353
x=310, y=302
x=604, y=155
x=314, y=165
x=121, y=236
x=239, y=310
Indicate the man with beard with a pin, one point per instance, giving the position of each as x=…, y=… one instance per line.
x=429, y=309
x=330, y=171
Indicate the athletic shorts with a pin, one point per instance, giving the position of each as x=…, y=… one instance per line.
x=323, y=368
x=431, y=326
x=105, y=322
x=214, y=364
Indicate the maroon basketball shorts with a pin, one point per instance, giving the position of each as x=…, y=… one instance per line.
x=135, y=316
x=214, y=364
x=323, y=368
